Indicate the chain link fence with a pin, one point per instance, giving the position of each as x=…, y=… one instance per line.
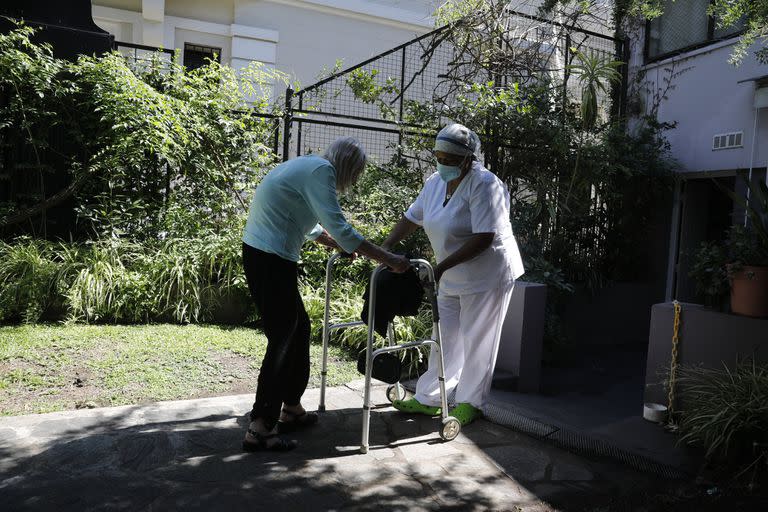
x=372, y=100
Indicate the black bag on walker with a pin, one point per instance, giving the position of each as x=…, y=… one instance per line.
x=386, y=367
x=396, y=295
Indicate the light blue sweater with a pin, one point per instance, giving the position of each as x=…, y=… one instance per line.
x=293, y=203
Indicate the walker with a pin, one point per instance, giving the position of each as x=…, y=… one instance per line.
x=450, y=425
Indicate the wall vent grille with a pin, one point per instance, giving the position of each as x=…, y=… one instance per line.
x=727, y=141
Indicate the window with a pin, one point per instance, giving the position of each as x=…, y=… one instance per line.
x=684, y=24
x=196, y=56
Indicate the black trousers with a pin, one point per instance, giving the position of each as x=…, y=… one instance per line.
x=284, y=372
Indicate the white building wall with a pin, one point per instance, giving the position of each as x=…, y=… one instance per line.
x=706, y=99
x=298, y=37
x=214, y=11
x=705, y=96
x=311, y=40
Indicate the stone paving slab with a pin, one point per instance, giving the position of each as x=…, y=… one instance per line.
x=186, y=455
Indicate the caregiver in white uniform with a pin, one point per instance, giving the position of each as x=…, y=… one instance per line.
x=464, y=210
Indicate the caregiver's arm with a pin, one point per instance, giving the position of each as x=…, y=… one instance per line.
x=471, y=248
x=402, y=230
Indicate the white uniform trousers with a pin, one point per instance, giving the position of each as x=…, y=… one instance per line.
x=470, y=327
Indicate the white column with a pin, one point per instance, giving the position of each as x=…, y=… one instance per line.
x=250, y=44
x=153, y=16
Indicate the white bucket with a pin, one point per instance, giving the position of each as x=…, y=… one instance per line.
x=656, y=413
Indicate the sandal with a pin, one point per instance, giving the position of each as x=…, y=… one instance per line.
x=298, y=421
x=466, y=413
x=262, y=443
x=413, y=406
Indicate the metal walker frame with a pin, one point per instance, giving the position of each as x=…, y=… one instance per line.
x=451, y=427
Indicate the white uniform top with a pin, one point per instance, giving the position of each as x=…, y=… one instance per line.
x=480, y=204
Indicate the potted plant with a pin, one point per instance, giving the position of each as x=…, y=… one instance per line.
x=748, y=254
x=709, y=271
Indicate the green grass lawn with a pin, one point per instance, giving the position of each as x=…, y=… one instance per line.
x=46, y=368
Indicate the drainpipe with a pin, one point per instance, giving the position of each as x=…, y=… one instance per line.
x=751, y=162
x=760, y=102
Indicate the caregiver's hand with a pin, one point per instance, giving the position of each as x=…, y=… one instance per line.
x=439, y=270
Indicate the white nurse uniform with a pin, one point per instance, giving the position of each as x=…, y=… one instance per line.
x=473, y=296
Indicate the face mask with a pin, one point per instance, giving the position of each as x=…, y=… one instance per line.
x=448, y=172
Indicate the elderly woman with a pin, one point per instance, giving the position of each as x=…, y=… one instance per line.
x=295, y=201
x=464, y=210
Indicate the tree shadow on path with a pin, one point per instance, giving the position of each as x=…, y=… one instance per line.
x=137, y=460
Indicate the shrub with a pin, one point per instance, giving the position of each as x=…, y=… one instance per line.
x=114, y=280
x=152, y=150
x=102, y=287
x=725, y=411
x=710, y=274
x=27, y=280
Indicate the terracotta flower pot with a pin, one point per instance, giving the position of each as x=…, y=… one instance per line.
x=749, y=291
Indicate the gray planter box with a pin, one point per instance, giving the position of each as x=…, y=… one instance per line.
x=520, y=348
x=707, y=338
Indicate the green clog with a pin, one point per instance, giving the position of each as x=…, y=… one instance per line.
x=466, y=413
x=413, y=406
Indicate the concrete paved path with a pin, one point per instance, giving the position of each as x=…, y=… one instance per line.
x=186, y=455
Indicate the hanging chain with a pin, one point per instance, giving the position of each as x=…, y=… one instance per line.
x=673, y=363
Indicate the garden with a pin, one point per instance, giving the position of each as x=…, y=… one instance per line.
x=125, y=284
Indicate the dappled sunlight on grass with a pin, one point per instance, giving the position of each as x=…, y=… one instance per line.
x=48, y=368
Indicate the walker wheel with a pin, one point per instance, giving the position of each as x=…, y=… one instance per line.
x=451, y=428
x=392, y=392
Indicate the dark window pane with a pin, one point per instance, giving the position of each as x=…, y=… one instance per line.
x=684, y=23
x=196, y=56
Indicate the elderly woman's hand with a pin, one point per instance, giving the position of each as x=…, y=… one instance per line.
x=398, y=263
x=351, y=255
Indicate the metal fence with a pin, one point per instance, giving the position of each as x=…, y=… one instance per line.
x=424, y=70
x=428, y=71
x=143, y=55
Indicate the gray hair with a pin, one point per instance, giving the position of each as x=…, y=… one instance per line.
x=347, y=156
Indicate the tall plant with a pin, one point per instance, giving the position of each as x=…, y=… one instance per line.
x=178, y=151
x=158, y=151
x=755, y=208
x=37, y=98
x=595, y=74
